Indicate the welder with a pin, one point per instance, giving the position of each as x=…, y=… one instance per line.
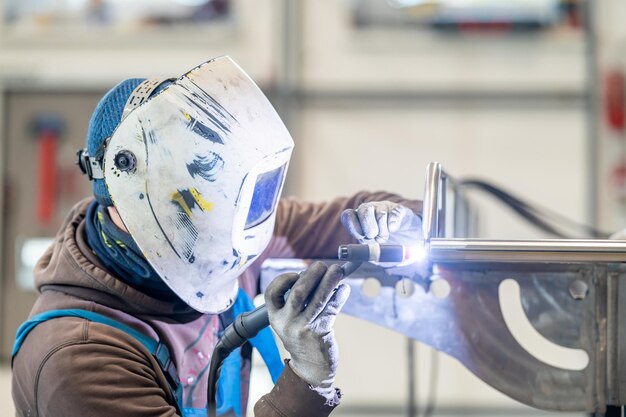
x=144, y=276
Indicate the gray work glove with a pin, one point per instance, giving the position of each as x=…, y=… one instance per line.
x=391, y=223
x=304, y=322
x=383, y=222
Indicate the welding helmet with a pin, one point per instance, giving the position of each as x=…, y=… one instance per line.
x=195, y=172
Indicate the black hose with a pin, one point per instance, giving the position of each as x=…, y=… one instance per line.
x=219, y=356
x=245, y=327
x=541, y=217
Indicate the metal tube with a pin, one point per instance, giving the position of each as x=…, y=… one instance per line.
x=546, y=250
x=441, y=207
x=612, y=340
x=430, y=214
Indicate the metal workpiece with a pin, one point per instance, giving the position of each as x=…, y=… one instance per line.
x=432, y=198
x=446, y=209
x=617, y=358
x=441, y=250
x=538, y=320
x=569, y=355
x=469, y=324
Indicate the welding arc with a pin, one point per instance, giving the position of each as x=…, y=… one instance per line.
x=543, y=218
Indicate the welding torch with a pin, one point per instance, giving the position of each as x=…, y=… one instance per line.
x=376, y=252
x=245, y=327
x=248, y=325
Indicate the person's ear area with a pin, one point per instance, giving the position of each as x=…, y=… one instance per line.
x=115, y=217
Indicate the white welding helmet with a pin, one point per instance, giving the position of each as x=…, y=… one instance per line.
x=195, y=173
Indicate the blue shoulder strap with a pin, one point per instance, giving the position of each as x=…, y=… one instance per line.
x=156, y=349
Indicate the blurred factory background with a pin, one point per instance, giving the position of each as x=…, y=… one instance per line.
x=529, y=94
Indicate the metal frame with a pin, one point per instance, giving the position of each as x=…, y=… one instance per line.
x=468, y=324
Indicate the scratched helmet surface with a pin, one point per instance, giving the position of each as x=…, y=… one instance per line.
x=195, y=173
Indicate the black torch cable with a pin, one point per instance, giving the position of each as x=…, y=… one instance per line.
x=545, y=219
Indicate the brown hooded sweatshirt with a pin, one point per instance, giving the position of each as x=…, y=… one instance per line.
x=73, y=367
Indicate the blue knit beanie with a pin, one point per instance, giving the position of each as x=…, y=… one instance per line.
x=104, y=121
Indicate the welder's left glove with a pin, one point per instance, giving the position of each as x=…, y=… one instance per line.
x=383, y=222
x=304, y=322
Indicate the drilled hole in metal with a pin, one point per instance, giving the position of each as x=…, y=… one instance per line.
x=371, y=287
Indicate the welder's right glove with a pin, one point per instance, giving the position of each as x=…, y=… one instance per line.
x=387, y=222
x=304, y=322
x=383, y=222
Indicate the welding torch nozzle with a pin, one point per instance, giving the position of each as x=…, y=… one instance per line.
x=374, y=252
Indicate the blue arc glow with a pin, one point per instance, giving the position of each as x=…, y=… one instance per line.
x=417, y=254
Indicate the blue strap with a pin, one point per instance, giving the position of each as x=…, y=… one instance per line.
x=29, y=325
x=229, y=384
x=156, y=349
x=195, y=412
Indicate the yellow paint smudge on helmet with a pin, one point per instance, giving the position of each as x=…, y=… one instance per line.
x=204, y=205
